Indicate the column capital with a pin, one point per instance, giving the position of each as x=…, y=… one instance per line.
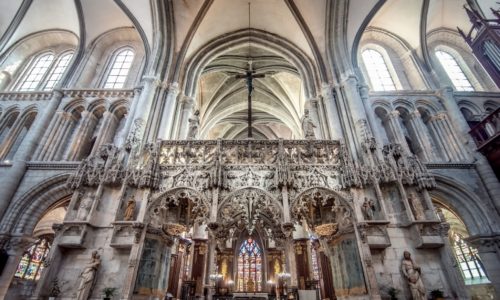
x=172, y=87
x=414, y=114
x=137, y=91
x=151, y=79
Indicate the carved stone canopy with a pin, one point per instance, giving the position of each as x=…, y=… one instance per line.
x=176, y=210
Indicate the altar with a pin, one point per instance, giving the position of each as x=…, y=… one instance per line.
x=249, y=296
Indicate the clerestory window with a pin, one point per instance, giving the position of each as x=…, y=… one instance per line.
x=380, y=77
x=454, y=71
x=44, y=72
x=120, y=67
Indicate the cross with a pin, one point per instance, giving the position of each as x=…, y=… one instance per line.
x=249, y=76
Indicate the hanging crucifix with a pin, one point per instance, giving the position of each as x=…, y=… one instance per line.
x=249, y=76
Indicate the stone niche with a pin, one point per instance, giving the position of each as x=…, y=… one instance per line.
x=72, y=234
x=428, y=234
x=125, y=234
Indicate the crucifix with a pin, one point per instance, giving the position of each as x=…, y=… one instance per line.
x=249, y=76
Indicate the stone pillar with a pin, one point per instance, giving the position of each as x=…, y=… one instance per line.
x=441, y=131
x=11, y=181
x=488, y=248
x=187, y=106
x=392, y=122
x=106, y=129
x=85, y=127
x=459, y=124
x=332, y=113
x=302, y=263
x=167, y=117
x=417, y=126
x=15, y=247
x=48, y=137
x=372, y=120
x=200, y=251
x=130, y=116
x=319, y=131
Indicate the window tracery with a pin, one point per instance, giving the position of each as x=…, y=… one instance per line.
x=120, y=68
x=35, y=72
x=32, y=262
x=468, y=260
x=58, y=70
x=380, y=78
x=249, y=266
x=454, y=71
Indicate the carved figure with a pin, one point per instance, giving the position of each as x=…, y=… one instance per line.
x=412, y=273
x=416, y=205
x=194, y=124
x=367, y=208
x=88, y=275
x=308, y=126
x=84, y=208
x=129, y=211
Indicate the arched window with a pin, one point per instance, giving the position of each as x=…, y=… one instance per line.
x=35, y=73
x=250, y=266
x=58, y=70
x=468, y=260
x=119, y=69
x=380, y=78
x=32, y=263
x=454, y=71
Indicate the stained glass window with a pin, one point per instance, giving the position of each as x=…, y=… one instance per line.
x=378, y=72
x=31, y=265
x=468, y=260
x=35, y=73
x=119, y=69
x=58, y=71
x=454, y=71
x=249, y=266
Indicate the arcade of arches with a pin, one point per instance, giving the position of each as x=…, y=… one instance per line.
x=249, y=149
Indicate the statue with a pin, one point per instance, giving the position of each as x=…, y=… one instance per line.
x=88, y=275
x=416, y=206
x=129, y=211
x=368, y=208
x=84, y=208
x=308, y=126
x=194, y=124
x=413, y=275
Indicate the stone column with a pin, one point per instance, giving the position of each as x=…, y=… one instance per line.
x=85, y=127
x=186, y=110
x=108, y=126
x=395, y=130
x=15, y=249
x=128, y=123
x=302, y=262
x=372, y=120
x=460, y=125
x=11, y=137
x=332, y=113
x=167, y=117
x=417, y=126
x=319, y=131
x=48, y=137
x=488, y=248
x=14, y=175
x=200, y=251
x=450, y=148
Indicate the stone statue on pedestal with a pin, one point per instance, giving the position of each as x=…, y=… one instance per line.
x=368, y=207
x=308, y=126
x=88, y=277
x=129, y=211
x=194, y=124
x=413, y=275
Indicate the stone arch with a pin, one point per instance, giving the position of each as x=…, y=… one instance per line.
x=100, y=53
x=406, y=65
x=261, y=39
x=55, y=40
x=23, y=214
x=159, y=204
x=478, y=216
x=251, y=209
x=452, y=42
x=327, y=212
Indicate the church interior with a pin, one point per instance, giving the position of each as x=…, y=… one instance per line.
x=249, y=149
